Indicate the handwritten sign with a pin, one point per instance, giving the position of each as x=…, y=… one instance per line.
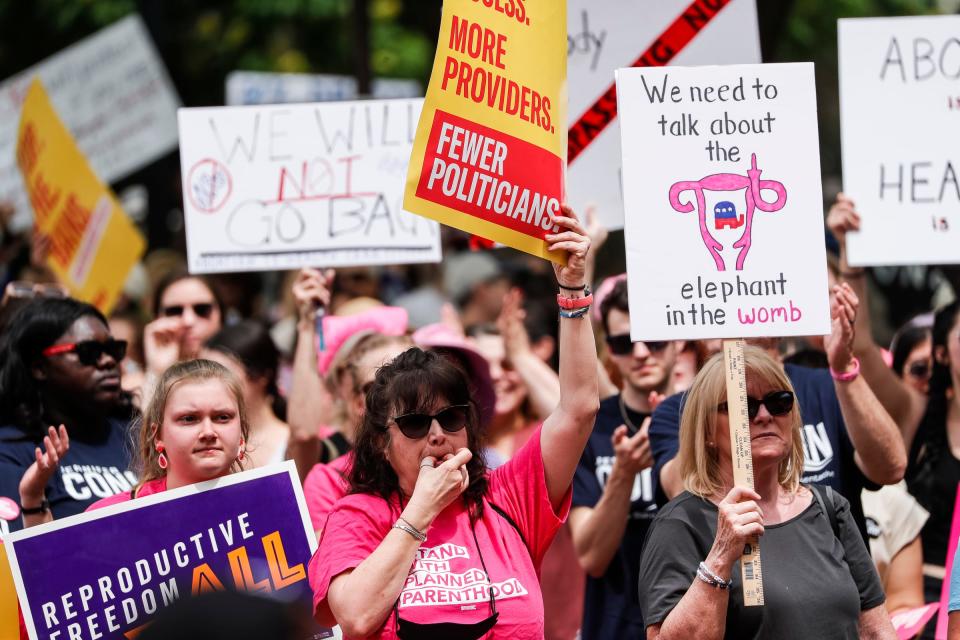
x=724, y=219
x=93, y=244
x=281, y=187
x=488, y=157
x=113, y=94
x=256, y=87
x=900, y=122
x=106, y=573
x=608, y=34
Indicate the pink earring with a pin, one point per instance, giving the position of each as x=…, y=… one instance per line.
x=243, y=453
x=162, y=457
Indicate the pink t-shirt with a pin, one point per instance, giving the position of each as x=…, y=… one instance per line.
x=149, y=488
x=324, y=486
x=446, y=582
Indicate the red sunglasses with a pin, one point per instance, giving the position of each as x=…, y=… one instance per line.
x=89, y=352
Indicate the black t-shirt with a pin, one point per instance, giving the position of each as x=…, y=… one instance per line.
x=611, y=608
x=96, y=466
x=815, y=583
x=828, y=453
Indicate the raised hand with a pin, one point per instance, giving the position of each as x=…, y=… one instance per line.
x=632, y=453
x=162, y=344
x=843, y=217
x=311, y=290
x=34, y=481
x=843, y=313
x=573, y=239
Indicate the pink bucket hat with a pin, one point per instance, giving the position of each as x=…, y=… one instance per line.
x=441, y=337
x=390, y=321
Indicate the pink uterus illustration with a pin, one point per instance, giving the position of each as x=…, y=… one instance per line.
x=754, y=187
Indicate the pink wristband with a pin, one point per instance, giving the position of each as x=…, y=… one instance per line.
x=847, y=376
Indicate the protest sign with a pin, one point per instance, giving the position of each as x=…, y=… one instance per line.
x=283, y=187
x=604, y=35
x=109, y=571
x=9, y=621
x=488, y=156
x=900, y=122
x=257, y=87
x=93, y=244
x=724, y=218
x=113, y=94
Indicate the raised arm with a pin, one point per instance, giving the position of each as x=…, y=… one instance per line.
x=566, y=430
x=541, y=381
x=880, y=452
x=904, y=405
x=309, y=403
x=34, y=482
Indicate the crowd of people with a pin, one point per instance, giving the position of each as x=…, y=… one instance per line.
x=486, y=453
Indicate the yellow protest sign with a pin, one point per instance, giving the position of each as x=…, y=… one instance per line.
x=93, y=244
x=489, y=154
x=9, y=621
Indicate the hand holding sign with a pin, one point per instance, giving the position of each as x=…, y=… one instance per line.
x=576, y=242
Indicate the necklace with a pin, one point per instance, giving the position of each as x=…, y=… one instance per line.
x=626, y=418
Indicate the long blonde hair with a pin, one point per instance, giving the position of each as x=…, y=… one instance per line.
x=146, y=457
x=699, y=464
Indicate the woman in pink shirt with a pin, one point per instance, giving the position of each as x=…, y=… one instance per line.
x=429, y=544
x=194, y=429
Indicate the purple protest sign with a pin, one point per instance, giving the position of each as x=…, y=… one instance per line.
x=106, y=573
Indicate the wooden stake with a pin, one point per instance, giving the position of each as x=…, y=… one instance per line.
x=736, y=372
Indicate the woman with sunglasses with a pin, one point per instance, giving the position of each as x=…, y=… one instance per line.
x=60, y=374
x=429, y=544
x=818, y=579
x=188, y=312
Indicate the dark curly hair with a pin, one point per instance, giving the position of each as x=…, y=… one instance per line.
x=412, y=382
x=33, y=328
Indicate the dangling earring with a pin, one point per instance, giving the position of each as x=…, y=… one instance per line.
x=242, y=454
x=162, y=461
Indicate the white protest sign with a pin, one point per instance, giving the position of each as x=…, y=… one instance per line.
x=724, y=217
x=900, y=123
x=255, y=87
x=113, y=94
x=604, y=35
x=283, y=187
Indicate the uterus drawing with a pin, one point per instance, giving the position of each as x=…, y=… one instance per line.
x=754, y=187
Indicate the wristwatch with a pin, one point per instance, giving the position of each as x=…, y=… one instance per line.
x=43, y=508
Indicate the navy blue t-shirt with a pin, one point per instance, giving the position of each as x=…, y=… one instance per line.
x=827, y=449
x=96, y=466
x=611, y=603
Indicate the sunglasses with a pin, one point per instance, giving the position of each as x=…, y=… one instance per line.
x=920, y=369
x=201, y=310
x=778, y=403
x=416, y=425
x=89, y=352
x=621, y=345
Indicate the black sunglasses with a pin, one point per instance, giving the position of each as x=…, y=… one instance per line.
x=778, y=403
x=621, y=344
x=920, y=369
x=202, y=310
x=416, y=425
x=89, y=352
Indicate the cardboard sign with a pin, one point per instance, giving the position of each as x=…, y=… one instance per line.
x=488, y=157
x=110, y=571
x=283, y=187
x=900, y=122
x=93, y=242
x=605, y=35
x=113, y=94
x=909, y=624
x=9, y=621
x=254, y=87
x=724, y=220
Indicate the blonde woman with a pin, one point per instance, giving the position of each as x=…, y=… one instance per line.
x=819, y=581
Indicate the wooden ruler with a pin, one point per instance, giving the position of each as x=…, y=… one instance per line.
x=736, y=372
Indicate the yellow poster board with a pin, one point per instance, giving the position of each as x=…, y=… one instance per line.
x=490, y=151
x=9, y=620
x=93, y=244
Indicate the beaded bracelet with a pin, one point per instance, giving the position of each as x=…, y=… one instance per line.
x=574, y=313
x=711, y=578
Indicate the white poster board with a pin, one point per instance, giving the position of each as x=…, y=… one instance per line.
x=724, y=217
x=283, y=187
x=900, y=124
x=113, y=93
x=255, y=87
x=604, y=35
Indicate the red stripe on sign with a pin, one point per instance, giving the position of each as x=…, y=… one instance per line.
x=659, y=54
